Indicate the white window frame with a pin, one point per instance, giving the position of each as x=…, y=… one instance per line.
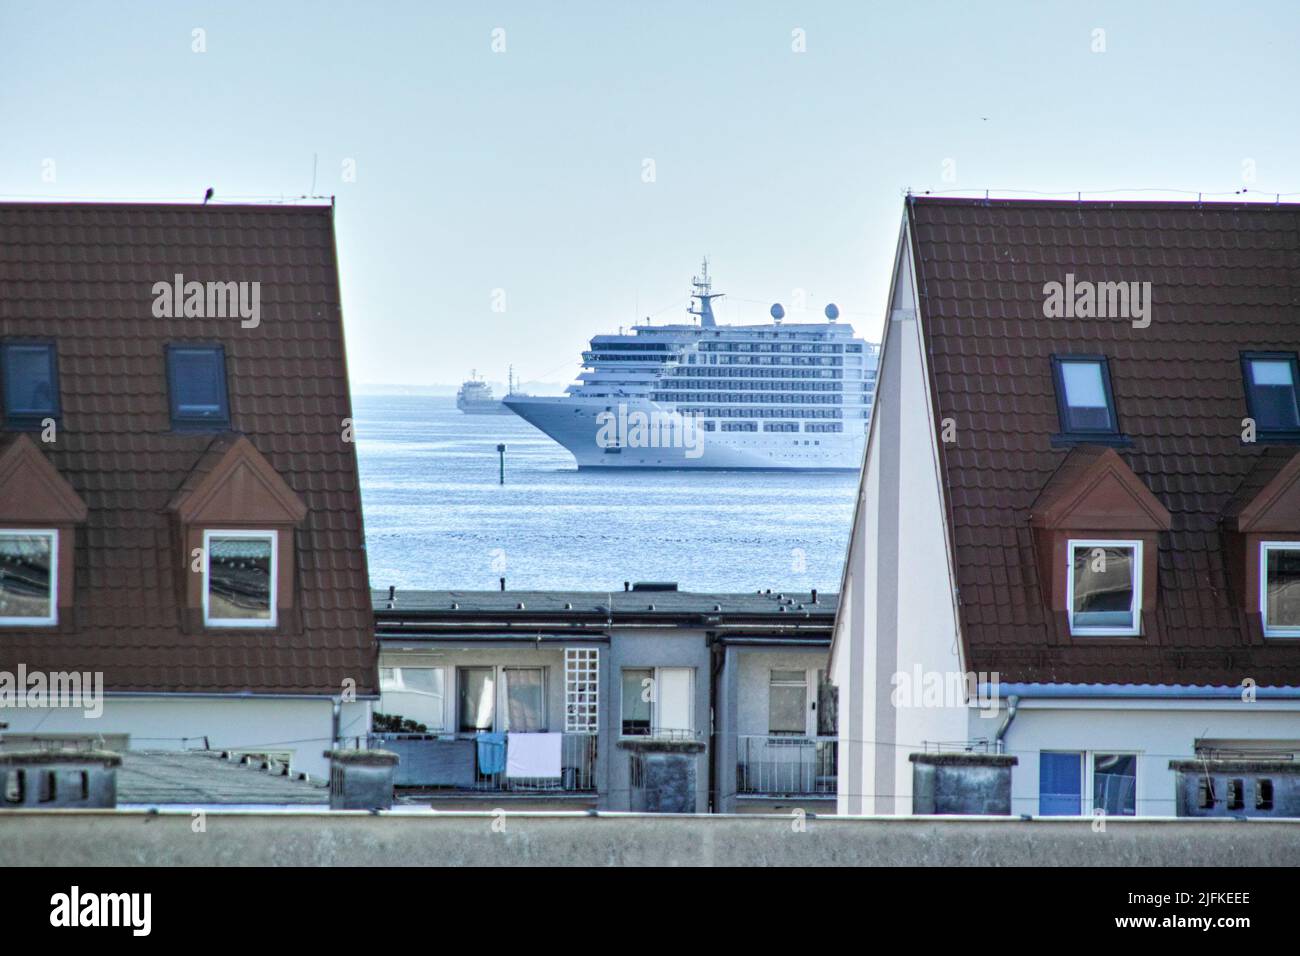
x=1135, y=607
x=52, y=618
x=1264, y=548
x=656, y=730
x=241, y=622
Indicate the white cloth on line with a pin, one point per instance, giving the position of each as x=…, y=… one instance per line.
x=533, y=755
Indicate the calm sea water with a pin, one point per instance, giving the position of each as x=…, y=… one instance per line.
x=437, y=518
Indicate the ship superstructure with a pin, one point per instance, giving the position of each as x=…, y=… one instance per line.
x=781, y=395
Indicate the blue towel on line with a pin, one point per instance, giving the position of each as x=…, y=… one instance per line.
x=491, y=753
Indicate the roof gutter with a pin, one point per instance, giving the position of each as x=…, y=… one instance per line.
x=1131, y=692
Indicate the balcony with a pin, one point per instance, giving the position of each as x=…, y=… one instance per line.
x=451, y=762
x=786, y=765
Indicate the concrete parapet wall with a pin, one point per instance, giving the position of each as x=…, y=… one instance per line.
x=358, y=838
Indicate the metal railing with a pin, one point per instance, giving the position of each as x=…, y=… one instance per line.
x=786, y=765
x=451, y=761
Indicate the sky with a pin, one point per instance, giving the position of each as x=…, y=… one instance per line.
x=513, y=178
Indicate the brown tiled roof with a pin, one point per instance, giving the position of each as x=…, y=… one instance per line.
x=1225, y=279
x=83, y=274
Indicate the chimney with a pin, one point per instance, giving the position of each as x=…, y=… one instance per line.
x=503, y=584
x=63, y=779
x=961, y=783
x=814, y=595
x=361, y=779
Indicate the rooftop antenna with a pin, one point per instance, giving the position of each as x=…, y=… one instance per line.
x=702, y=289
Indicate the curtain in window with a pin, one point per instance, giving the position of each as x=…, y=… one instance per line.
x=525, y=704
x=477, y=703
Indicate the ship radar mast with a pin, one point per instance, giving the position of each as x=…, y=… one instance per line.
x=702, y=289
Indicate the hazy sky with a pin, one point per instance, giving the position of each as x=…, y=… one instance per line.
x=524, y=170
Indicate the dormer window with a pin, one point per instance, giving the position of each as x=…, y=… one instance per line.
x=1105, y=584
x=1084, y=401
x=29, y=584
x=1270, y=380
x=239, y=581
x=1279, y=588
x=31, y=383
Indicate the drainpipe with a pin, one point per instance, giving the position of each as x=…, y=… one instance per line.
x=1012, y=703
x=337, y=720
x=715, y=668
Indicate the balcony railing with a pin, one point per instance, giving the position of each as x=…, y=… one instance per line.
x=786, y=765
x=450, y=761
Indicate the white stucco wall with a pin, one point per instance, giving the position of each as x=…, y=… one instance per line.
x=902, y=612
x=1157, y=731
x=302, y=727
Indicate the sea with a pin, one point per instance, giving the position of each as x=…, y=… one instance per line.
x=437, y=516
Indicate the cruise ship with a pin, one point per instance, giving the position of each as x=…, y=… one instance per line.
x=781, y=395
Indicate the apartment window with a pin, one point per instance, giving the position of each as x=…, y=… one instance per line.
x=476, y=699
x=239, y=585
x=29, y=583
x=1060, y=784
x=196, y=378
x=638, y=690
x=1270, y=379
x=31, y=383
x=787, y=703
x=1114, y=784
x=657, y=701
x=1279, y=588
x=525, y=700
x=1083, y=397
x=415, y=693
x=1105, y=587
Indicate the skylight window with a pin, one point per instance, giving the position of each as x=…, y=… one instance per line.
x=1270, y=379
x=196, y=376
x=31, y=383
x=1083, y=396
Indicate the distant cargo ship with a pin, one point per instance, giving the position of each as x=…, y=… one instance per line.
x=475, y=398
x=794, y=396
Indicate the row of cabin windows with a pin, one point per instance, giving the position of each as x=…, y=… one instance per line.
x=196, y=384
x=240, y=570
x=1086, y=405
x=1104, y=588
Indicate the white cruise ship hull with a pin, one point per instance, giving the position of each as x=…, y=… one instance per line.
x=572, y=422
